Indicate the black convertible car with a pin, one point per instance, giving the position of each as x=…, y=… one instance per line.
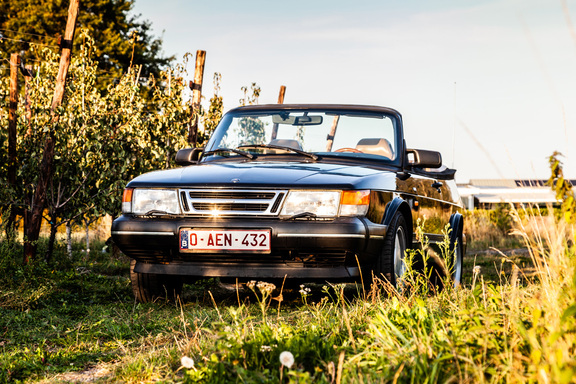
x=315, y=192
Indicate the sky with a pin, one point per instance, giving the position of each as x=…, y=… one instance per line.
x=489, y=84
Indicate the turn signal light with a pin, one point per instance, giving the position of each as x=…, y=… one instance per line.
x=354, y=203
x=355, y=197
x=127, y=200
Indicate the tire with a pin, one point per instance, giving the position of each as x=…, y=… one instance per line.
x=456, y=248
x=149, y=287
x=390, y=264
x=458, y=260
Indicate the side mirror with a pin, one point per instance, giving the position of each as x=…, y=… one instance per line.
x=422, y=158
x=188, y=156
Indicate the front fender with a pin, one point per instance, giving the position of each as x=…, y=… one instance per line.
x=399, y=205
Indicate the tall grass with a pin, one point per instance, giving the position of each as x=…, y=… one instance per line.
x=61, y=324
x=522, y=330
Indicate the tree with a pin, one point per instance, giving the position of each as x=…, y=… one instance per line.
x=102, y=140
x=120, y=40
x=562, y=187
x=213, y=114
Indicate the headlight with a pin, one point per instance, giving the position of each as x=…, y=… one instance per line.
x=148, y=201
x=319, y=203
x=327, y=203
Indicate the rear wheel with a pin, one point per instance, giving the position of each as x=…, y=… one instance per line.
x=391, y=264
x=458, y=260
x=148, y=287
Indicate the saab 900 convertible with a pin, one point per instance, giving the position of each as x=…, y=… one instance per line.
x=313, y=192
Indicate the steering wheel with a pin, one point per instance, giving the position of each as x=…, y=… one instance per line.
x=353, y=150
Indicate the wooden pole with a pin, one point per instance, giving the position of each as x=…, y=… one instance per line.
x=65, y=56
x=12, y=136
x=280, y=101
x=27, y=105
x=330, y=138
x=33, y=217
x=12, y=117
x=281, y=94
x=196, y=87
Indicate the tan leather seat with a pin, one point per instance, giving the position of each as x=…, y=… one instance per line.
x=376, y=146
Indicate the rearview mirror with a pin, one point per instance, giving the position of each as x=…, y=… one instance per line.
x=297, y=120
x=421, y=158
x=188, y=156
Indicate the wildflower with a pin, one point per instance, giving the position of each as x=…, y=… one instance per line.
x=304, y=291
x=265, y=288
x=265, y=348
x=187, y=362
x=476, y=270
x=287, y=359
x=251, y=284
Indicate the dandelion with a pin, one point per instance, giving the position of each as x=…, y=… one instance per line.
x=187, y=362
x=476, y=270
x=287, y=359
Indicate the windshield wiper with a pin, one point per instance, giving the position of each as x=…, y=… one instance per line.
x=286, y=148
x=242, y=153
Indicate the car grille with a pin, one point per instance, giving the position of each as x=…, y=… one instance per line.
x=230, y=202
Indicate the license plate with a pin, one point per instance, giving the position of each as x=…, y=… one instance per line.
x=212, y=240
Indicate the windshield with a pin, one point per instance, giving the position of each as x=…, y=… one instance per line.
x=308, y=132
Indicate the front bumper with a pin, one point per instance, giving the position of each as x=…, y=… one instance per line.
x=312, y=249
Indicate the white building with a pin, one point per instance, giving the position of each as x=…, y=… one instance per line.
x=485, y=193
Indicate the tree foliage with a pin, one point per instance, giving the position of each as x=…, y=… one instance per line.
x=562, y=187
x=119, y=39
x=103, y=138
x=215, y=110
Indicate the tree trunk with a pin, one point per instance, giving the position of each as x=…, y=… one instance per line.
x=51, y=240
x=34, y=219
x=87, y=237
x=34, y=215
x=69, y=240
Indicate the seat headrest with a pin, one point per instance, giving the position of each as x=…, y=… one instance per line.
x=376, y=146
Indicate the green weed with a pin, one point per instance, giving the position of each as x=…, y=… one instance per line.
x=512, y=320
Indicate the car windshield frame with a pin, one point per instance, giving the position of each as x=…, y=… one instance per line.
x=331, y=123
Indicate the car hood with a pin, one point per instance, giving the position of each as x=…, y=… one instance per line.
x=269, y=174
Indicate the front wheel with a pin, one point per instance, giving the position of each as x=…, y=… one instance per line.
x=148, y=287
x=391, y=264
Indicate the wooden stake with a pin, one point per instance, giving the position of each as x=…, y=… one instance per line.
x=330, y=138
x=27, y=105
x=280, y=101
x=196, y=87
x=12, y=136
x=33, y=217
x=65, y=56
x=12, y=117
x=281, y=94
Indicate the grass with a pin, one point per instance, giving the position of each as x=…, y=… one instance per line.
x=511, y=321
